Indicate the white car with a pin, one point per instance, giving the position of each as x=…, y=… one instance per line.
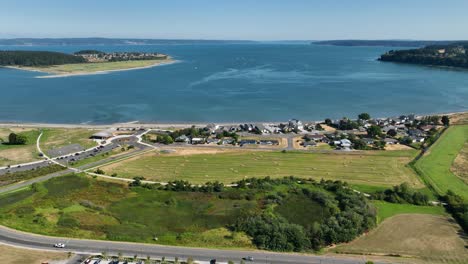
x=59, y=245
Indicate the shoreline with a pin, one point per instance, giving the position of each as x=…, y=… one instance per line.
x=167, y=124
x=50, y=74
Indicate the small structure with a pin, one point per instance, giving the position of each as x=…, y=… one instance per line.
x=183, y=138
x=196, y=141
x=102, y=135
x=390, y=141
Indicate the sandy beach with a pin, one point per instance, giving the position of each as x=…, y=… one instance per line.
x=53, y=74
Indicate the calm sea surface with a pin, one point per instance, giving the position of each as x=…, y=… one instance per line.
x=224, y=83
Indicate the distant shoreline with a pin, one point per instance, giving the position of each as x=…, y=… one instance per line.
x=167, y=124
x=52, y=74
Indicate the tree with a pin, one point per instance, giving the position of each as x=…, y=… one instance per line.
x=17, y=139
x=392, y=132
x=364, y=116
x=328, y=122
x=374, y=131
x=445, y=120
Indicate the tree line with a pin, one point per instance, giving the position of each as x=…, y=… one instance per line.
x=37, y=58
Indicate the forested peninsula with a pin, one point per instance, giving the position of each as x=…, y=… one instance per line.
x=451, y=55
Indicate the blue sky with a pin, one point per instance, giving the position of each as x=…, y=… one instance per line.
x=236, y=19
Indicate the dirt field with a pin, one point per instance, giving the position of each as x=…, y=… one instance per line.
x=432, y=238
x=13, y=255
x=460, y=165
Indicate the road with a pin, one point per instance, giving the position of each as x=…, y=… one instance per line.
x=82, y=246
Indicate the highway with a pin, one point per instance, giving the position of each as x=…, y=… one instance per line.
x=82, y=246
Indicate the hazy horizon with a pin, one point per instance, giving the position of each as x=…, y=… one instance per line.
x=261, y=20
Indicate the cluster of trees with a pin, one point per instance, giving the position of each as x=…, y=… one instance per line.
x=180, y=186
x=273, y=232
x=453, y=55
x=402, y=193
x=349, y=216
x=37, y=58
x=17, y=139
x=458, y=208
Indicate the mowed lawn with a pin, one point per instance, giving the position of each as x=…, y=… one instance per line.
x=435, y=165
x=386, y=210
x=431, y=238
x=53, y=138
x=369, y=168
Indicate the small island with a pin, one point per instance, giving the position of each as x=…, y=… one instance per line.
x=80, y=63
x=451, y=55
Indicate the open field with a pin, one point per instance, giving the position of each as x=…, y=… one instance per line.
x=14, y=154
x=435, y=165
x=54, y=138
x=459, y=118
x=184, y=215
x=386, y=210
x=369, y=168
x=15, y=255
x=97, y=67
x=432, y=238
x=460, y=165
x=78, y=206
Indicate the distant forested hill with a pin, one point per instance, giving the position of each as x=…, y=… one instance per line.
x=37, y=58
x=385, y=43
x=452, y=55
x=109, y=41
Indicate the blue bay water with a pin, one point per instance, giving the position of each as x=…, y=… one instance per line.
x=225, y=83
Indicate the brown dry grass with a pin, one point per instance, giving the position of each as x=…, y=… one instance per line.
x=460, y=165
x=4, y=132
x=459, y=118
x=14, y=255
x=432, y=238
x=397, y=147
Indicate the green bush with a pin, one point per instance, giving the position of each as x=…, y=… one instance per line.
x=68, y=221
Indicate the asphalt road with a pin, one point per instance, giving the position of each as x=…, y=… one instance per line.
x=17, y=238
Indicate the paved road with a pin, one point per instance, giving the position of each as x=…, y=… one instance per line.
x=14, y=237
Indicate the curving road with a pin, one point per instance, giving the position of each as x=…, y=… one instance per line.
x=82, y=246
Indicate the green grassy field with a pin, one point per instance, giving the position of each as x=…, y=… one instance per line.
x=15, y=154
x=435, y=165
x=386, y=210
x=78, y=206
x=386, y=168
x=95, y=67
x=53, y=138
